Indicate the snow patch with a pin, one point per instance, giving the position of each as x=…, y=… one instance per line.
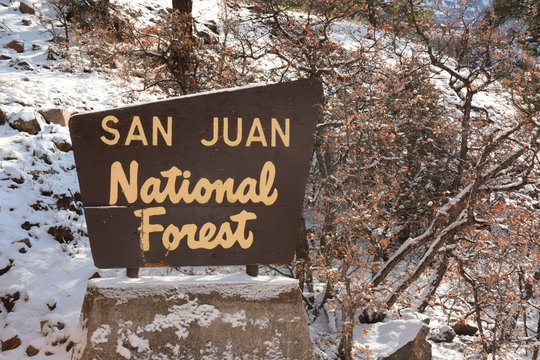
x=180, y=317
x=101, y=334
x=245, y=286
x=385, y=338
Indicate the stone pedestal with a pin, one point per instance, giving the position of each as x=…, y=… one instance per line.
x=210, y=317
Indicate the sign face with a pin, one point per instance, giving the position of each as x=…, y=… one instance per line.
x=206, y=179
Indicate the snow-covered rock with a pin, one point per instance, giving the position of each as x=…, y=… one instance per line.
x=27, y=7
x=442, y=334
x=56, y=116
x=16, y=45
x=26, y=120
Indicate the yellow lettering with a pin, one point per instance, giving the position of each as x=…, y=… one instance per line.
x=247, y=191
x=209, y=235
x=266, y=184
x=136, y=132
x=208, y=230
x=260, y=190
x=118, y=177
x=150, y=190
x=170, y=188
x=157, y=126
x=216, y=134
x=284, y=135
x=183, y=193
x=202, y=191
x=177, y=234
x=146, y=228
x=241, y=219
x=224, y=187
x=256, y=127
x=110, y=130
x=238, y=139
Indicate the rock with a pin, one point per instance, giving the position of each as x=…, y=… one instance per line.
x=27, y=8
x=11, y=344
x=462, y=328
x=65, y=202
x=26, y=120
x=417, y=349
x=16, y=45
x=28, y=225
x=9, y=300
x=56, y=116
x=36, y=47
x=95, y=276
x=370, y=316
x=6, y=268
x=62, y=234
x=31, y=351
x=49, y=327
x=26, y=22
x=60, y=341
x=70, y=346
x=63, y=146
x=25, y=241
x=3, y=117
x=443, y=334
x=45, y=158
x=24, y=65
x=5, y=57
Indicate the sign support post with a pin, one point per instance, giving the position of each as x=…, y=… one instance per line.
x=252, y=270
x=132, y=273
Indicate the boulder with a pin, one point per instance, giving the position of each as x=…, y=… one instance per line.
x=63, y=146
x=443, y=334
x=31, y=351
x=26, y=22
x=11, y=343
x=27, y=8
x=26, y=120
x=16, y=45
x=462, y=328
x=56, y=116
x=24, y=65
x=417, y=349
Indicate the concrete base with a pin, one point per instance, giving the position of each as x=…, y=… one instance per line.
x=210, y=317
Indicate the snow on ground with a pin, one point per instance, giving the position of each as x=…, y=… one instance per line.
x=45, y=259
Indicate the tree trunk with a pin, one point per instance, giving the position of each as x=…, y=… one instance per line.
x=181, y=55
x=303, y=269
x=184, y=6
x=434, y=284
x=536, y=348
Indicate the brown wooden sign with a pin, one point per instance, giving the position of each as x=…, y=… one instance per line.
x=208, y=179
